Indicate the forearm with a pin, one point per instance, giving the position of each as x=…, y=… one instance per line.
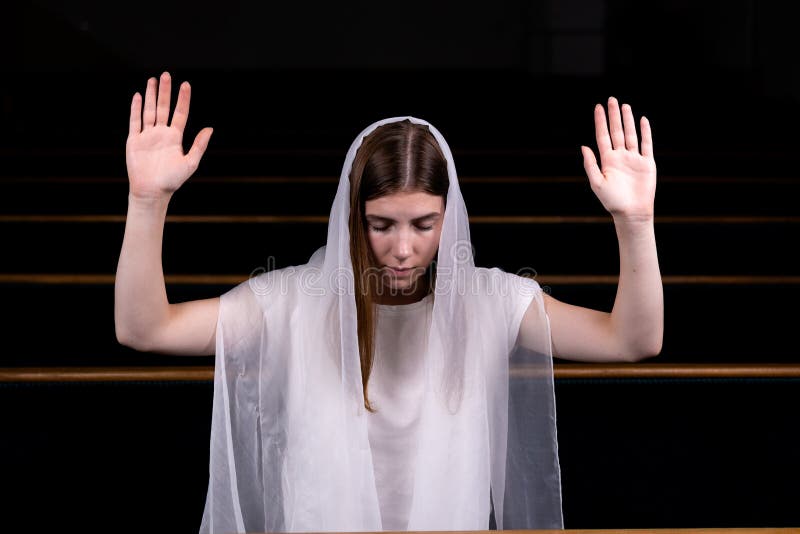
x=140, y=295
x=638, y=315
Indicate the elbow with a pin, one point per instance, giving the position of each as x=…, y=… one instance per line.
x=121, y=334
x=124, y=337
x=645, y=352
x=122, y=331
x=128, y=339
x=131, y=333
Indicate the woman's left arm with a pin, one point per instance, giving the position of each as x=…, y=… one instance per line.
x=625, y=184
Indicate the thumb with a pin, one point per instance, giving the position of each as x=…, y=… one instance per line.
x=198, y=148
x=590, y=165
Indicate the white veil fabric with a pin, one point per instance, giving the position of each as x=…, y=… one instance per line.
x=290, y=450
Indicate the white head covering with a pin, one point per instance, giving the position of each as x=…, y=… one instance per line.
x=289, y=442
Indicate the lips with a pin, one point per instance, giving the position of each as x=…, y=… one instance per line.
x=405, y=271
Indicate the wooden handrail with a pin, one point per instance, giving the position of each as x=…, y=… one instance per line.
x=556, y=279
x=711, y=153
x=561, y=371
x=107, y=374
x=477, y=219
x=462, y=179
x=758, y=530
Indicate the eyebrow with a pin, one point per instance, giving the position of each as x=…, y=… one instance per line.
x=434, y=214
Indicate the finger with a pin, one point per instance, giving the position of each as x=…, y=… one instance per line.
x=596, y=177
x=135, y=125
x=164, y=90
x=647, y=138
x=615, y=123
x=631, y=141
x=181, y=114
x=601, y=130
x=198, y=148
x=150, y=104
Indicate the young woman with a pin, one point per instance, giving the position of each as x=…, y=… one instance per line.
x=387, y=384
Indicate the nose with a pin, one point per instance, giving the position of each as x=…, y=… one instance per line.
x=403, y=248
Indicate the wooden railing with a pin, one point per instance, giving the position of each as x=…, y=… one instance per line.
x=560, y=279
x=561, y=371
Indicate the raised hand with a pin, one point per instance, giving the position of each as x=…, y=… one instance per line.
x=157, y=165
x=626, y=181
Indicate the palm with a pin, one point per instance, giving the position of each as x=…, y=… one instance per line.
x=155, y=158
x=626, y=181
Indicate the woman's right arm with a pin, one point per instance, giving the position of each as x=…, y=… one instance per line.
x=157, y=166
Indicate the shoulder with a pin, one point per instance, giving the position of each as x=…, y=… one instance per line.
x=265, y=290
x=498, y=283
x=507, y=297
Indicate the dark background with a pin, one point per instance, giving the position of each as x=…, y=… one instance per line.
x=717, y=79
x=511, y=85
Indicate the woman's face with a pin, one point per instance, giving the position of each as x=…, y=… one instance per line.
x=404, y=230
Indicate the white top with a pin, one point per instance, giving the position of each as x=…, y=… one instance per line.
x=290, y=441
x=396, y=387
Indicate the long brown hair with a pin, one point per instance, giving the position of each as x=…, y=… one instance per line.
x=395, y=157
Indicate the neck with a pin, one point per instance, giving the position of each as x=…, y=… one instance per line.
x=393, y=298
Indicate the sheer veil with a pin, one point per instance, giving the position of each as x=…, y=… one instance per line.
x=289, y=443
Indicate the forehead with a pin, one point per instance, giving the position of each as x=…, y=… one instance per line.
x=404, y=205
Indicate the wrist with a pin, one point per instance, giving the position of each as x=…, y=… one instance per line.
x=149, y=198
x=147, y=202
x=633, y=219
x=635, y=228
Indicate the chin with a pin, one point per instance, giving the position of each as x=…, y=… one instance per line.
x=398, y=285
x=408, y=285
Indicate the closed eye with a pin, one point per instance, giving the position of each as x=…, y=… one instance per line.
x=386, y=228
